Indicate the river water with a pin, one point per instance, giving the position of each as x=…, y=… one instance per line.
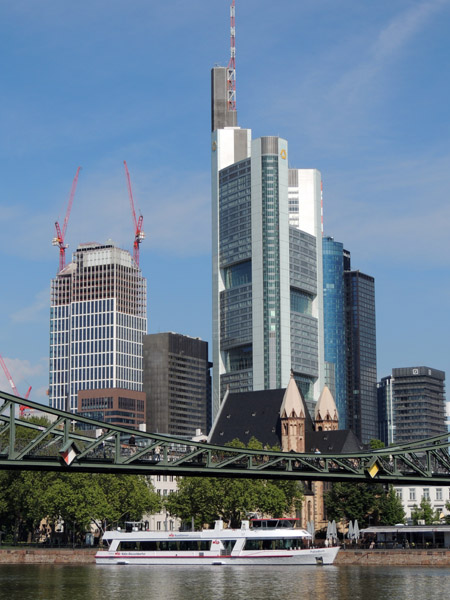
x=90, y=582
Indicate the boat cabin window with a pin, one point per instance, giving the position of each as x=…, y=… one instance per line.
x=271, y=544
x=166, y=546
x=274, y=523
x=136, y=526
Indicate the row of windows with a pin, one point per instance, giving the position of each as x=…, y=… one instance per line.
x=413, y=494
x=96, y=306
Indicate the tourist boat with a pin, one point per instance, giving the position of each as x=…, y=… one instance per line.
x=257, y=542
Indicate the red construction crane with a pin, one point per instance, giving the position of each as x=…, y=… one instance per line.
x=12, y=384
x=139, y=235
x=60, y=235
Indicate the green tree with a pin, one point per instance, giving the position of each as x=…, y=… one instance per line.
x=376, y=444
x=77, y=498
x=424, y=512
x=390, y=508
x=352, y=501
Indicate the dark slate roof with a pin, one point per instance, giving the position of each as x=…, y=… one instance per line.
x=249, y=414
x=342, y=441
x=257, y=414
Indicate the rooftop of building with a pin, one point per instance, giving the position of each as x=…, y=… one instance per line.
x=248, y=415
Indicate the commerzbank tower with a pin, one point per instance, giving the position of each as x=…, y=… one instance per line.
x=266, y=256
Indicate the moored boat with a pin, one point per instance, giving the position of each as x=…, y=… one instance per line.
x=257, y=542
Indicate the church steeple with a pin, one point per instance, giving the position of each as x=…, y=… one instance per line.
x=293, y=418
x=325, y=415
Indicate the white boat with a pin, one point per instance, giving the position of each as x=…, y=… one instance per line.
x=257, y=542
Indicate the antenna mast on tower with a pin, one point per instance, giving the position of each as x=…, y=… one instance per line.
x=231, y=69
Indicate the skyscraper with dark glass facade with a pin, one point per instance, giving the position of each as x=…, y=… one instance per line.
x=334, y=321
x=362, y=407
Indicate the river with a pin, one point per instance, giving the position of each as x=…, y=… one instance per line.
x=90, y=582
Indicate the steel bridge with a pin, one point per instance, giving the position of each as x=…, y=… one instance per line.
x=68, y=443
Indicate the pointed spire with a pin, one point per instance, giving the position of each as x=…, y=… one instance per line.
x=293, y=404
x=326, y=407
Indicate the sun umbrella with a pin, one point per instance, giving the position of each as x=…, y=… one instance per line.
x=334, y=529
x=350, y=532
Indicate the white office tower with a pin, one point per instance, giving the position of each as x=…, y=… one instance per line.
x=98, y=316
x=267, y=274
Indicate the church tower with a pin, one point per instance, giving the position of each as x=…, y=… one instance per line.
x=293, y=419
x=326, y=417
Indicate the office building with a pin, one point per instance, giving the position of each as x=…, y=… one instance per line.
x=267, y=263
x=112, y=405
x=386, y=425
x=350, y=340
x=413, y=399
x=362, y=406
x=98, y=316
x=176, y=383
x=334, y=324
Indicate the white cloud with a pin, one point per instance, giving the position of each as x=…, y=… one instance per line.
x=403, y=27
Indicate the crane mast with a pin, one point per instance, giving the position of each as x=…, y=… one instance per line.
x=61, y=234
x=139, y=235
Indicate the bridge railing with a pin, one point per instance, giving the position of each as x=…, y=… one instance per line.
x=70, y=441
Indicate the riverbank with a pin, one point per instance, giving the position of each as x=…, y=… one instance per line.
x=394, y=558
x=411, y=558
x=51, y=556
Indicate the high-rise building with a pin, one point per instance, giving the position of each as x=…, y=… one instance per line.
x=417, y=403
x=334, y=323
x=267, y=262
x=112, y=405
x=386, y=425
x=350, y=340
x=98, y=316
x=362, y=406
x=177, y=384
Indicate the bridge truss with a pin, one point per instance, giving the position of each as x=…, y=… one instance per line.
x=68, y=443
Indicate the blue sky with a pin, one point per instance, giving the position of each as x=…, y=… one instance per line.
x=359, y=89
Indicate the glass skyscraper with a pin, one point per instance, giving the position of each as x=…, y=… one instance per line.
x=267, y=270
x=98, y=316
x=334, y=321
x=362, y=406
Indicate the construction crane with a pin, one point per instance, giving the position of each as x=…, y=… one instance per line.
x=61, y=234
x=139, y=235
x=12, y=384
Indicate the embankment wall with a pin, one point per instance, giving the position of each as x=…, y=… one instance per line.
x=47, y=556
x=394, y=558
x=435, y=557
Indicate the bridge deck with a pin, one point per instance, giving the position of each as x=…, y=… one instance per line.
x=68, y=443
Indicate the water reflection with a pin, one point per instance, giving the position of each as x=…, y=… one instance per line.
x=61, y=582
